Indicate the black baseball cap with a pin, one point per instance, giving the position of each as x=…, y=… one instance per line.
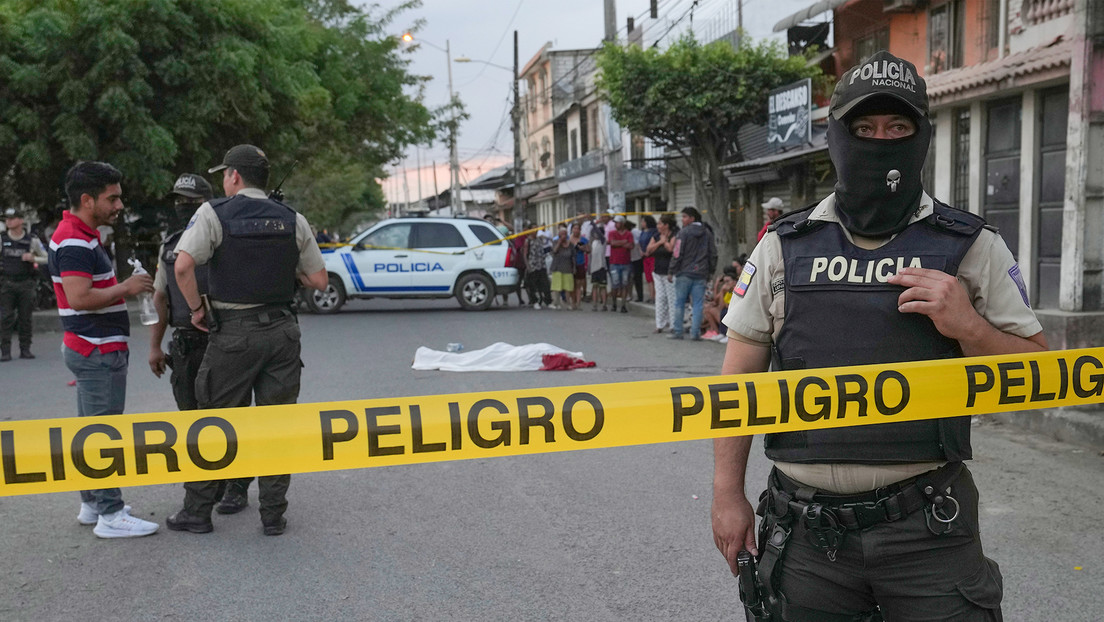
x=193, y=186
x=11, y=212
x=242, y=156
x=883, y=74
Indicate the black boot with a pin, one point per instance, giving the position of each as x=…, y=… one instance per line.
x=183, y=521
x=233, y=501
x=5, y=356
x=25, y=353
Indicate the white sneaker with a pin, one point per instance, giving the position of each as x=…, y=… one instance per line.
x=89, y=516
x=122, y=525
x=536, y=306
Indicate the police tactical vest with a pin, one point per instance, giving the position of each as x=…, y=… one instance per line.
x=11, y=263
x=256, y=261
x=841, y=311
x=180, y=315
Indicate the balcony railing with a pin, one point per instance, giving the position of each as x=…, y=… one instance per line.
x=1037, y=11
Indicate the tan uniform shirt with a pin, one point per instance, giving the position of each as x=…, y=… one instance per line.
x=757, y=317
x=204, y=234
x=161, y=280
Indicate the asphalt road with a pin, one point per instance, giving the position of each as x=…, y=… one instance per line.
x=618, y=534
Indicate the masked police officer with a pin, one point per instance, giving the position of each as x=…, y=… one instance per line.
x=256, y=250
x=875, y=520
x=188, y=343
x=21, y=251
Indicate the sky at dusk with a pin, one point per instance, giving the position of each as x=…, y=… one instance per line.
x=483, y=31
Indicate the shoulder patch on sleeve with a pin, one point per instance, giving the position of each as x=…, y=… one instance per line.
x=1017, y=278
x=777, y=286
x=745, y=279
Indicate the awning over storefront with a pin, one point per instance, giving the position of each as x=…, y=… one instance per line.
x=808, y=13
x=586, y=182
x=1026, y=66
x=544, y=195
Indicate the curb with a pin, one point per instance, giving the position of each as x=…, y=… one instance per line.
x=1081, y=425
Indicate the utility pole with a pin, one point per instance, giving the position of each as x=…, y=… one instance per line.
x=436, y=193
x=419, y=155
x=454, y=156
x=740, y=21
x=615, y=161
x=519, y=175
x=611, y=21
x=406, y=188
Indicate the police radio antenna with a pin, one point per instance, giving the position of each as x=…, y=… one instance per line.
x=277, y=193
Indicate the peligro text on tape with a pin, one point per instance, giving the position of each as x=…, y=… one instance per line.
x=53, y=455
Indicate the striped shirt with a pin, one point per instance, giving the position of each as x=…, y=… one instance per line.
x=75, y=250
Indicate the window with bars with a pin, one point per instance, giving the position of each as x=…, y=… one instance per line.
x=960, y=190
x=865, y=47
x=945, y=36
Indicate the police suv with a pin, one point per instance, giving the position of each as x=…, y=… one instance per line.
x=420, y=258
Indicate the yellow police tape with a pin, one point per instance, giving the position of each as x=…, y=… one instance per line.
x=131, y=450
x=492, y=242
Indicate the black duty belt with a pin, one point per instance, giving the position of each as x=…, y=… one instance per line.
x=189, y=335
x=265, y=314
x=862, y=510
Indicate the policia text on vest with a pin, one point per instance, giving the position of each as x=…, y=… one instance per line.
x=131, y=450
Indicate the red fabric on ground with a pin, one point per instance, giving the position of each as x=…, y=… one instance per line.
x=563, y=362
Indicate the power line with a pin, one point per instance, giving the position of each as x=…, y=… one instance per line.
x=505, y=31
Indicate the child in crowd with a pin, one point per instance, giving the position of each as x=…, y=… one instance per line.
x=598, y=268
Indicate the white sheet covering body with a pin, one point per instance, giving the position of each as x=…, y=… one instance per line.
x=495, y=357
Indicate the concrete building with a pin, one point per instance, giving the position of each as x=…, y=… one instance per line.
x=1017, y=100
x=566, y=136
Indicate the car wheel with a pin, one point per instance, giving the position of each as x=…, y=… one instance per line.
x=328, y=300
x=475, y=292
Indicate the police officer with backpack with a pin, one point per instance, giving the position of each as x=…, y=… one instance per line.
x=257, y=250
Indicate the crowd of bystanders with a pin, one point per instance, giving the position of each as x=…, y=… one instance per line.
x=610, y=261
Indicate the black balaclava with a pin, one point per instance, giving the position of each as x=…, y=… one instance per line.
x=183, y=212
x=878, y=187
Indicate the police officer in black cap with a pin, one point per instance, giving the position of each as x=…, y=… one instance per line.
x=257, y=249
x=188, y=343
x=875, y=521
x=21, y=251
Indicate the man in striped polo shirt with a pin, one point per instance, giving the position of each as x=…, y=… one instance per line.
x=94, y=316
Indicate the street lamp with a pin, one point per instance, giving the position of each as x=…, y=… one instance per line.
x=515, y=115
x=454, y=157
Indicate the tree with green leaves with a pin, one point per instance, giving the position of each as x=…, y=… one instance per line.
x=691, y=99
x=159, y=87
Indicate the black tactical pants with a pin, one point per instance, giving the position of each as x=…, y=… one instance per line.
x=250, y=358
x=185, y=356
x=17, y=298
x=538, y=287
x=902, y=567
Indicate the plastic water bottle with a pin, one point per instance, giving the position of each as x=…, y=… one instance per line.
x=147, y=313
x=455, y=347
